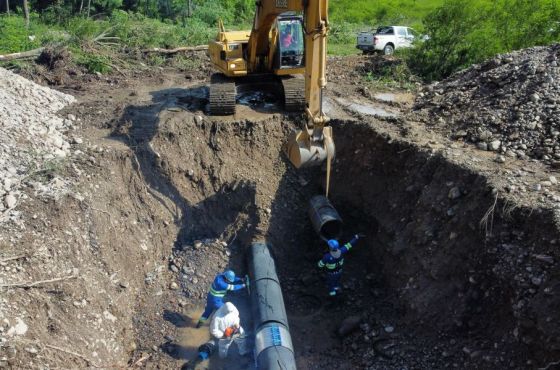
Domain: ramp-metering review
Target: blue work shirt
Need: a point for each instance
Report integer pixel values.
(334, 260)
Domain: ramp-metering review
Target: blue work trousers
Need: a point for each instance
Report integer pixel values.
(333, 281)
(212, 304)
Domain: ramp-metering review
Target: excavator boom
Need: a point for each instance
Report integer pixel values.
(313, 144)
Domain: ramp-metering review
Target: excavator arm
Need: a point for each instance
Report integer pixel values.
(313, 144)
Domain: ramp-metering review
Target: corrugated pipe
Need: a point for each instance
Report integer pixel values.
(324, 217)
(273, 343)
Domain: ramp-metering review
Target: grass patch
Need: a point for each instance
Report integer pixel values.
(14, 37)
(382, 12)
(342, 49)
(48, 171)
(185, 63)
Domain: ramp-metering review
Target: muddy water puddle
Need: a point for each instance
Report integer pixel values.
(385, 97)
(190, 338)
(258, 100)
(367, 109)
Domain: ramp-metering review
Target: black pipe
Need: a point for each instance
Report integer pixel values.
(273, 343)
(324, 217)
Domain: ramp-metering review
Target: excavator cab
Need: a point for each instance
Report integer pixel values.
(290, 45)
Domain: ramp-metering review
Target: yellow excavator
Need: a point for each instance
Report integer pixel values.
(288, 39)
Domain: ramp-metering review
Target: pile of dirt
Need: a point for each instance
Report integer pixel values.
(33, 138)
(509, 105)
(54, 58)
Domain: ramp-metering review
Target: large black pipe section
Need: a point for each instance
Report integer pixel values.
(324, 217)
(273, 343)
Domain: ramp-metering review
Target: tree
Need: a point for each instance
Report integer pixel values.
(26, 12)
(8, 6)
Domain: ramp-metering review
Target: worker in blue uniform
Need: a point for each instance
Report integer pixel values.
(223, 283)
(333, 262)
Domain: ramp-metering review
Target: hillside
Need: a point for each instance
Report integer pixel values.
(372, 12)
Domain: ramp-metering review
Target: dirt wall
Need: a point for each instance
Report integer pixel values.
(465, 259)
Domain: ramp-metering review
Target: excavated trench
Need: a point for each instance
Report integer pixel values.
(454, 271)
(451, 274)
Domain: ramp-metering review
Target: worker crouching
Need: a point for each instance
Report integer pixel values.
(333, 262)
(225, 329)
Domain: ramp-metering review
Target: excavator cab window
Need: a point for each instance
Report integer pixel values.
(290, 45)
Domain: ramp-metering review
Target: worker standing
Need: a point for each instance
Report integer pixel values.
(225, 329)
(333, 262)
(223, 283)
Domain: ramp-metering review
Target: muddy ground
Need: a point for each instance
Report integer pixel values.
(455, 271)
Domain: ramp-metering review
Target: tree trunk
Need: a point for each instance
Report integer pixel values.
(22, 55)
(189, 9)
(88, 7)
(26, 12)
(8, 6)
(81, 6)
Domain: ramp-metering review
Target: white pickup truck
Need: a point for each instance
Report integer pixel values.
(386, 39)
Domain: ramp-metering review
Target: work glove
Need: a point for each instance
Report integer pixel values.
(230, 331)
(359, 235)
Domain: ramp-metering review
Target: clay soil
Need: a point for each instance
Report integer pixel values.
(455, 272)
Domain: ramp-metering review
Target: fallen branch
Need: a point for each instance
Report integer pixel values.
(101, 210)
(103, 35)
(89, 362)
(142, 359)
(21, 55)
(176, 50)
(489, 216)
(114, 67)
(549, 365)
(12, 258)
(35, 283)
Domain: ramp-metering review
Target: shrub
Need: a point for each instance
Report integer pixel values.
(15, 37)
(463, 32)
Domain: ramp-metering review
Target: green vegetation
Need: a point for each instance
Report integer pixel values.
(374, 13)
(461, 32)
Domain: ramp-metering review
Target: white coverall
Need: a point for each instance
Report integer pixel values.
(225, 317)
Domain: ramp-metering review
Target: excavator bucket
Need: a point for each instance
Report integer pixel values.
(304, 151)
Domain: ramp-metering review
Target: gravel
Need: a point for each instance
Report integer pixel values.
(31, 134)
(509, 104)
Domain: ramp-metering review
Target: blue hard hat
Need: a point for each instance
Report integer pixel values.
(333, 244)
(230, 275)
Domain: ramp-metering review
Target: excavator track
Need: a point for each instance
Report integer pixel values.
(222, 96)
(294, 94)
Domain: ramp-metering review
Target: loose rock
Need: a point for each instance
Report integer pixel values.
(349, 325)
